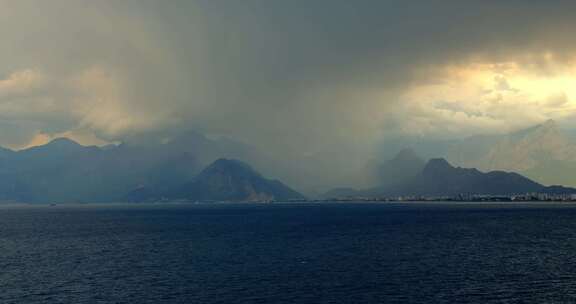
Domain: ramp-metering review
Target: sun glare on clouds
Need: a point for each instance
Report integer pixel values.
(492, 97)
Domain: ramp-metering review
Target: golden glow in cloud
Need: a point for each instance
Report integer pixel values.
(490, 97)
(82, 136)
(80, 106)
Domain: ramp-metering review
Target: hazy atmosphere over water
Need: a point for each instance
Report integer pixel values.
(296, 79)
(287, 151)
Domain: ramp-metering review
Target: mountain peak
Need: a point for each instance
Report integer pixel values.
(56, 145)
(228, 167)
(407, 154)
(550, 123)
(549, 127)
(233, 180)
(437, 166)
(230, 164)
(63, 141)
(404, 166)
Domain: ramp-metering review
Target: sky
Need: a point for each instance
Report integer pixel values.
(323, 78)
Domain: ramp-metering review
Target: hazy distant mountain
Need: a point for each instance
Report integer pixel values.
(403, 167)
(65, 171)
(59, 170)
(522, 150)
(408, 174)
(439, 178)
(544, 153)
(223, 180)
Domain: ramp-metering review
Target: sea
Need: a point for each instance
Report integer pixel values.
(289, 253)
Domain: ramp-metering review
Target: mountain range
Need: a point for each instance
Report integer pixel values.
(438, 178)
(544, 152)
(65, 171)
(191, 166)
(223, 180)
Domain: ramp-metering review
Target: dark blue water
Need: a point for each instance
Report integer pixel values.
(334, 253)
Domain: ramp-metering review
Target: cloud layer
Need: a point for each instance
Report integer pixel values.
(322, 79)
